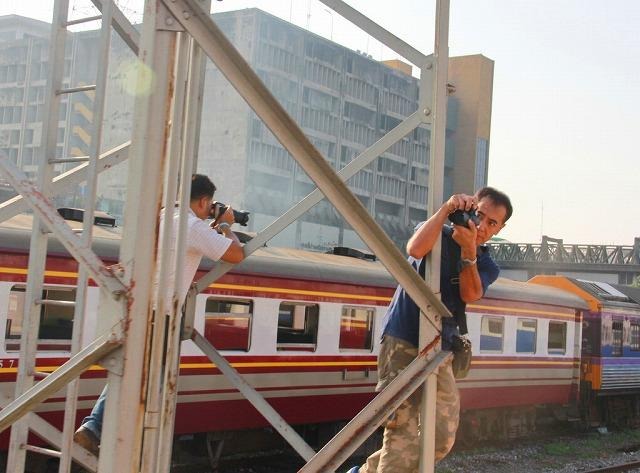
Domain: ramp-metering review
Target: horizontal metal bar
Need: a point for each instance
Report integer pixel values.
(253, 397)
(62, 182)
(79, 159)
(72, 368)
(342, 446)
(73, 90)
(83, 20)
(376, 31)
(43, 451)
(53, 436)
(55, 303)
(40, 374)
(52, 219)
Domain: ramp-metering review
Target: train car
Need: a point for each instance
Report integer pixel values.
(304, 329)
(610, 367)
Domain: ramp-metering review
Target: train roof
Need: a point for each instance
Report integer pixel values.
(596, 294)
(291, 263)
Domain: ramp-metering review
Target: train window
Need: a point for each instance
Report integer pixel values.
(557, 338)
(356, 328)
(635, 337)
(227, 323)
(491, 334)
(616, 332)
(56, 321)
(298, 326)
(526, 336)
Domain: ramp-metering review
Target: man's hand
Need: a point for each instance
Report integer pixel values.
(226, 217)
(466, 239)
(461, 202)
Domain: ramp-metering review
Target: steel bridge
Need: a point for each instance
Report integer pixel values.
(553, 256)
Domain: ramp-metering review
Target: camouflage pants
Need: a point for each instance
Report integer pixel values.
(401, 442)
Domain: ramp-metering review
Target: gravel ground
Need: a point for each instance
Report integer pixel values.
(562, 454)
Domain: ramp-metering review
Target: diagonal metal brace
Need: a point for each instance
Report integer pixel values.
(72, 368)
(263, 407)
(53, 436)
(62, 182)
(52, 219)
(340, 447)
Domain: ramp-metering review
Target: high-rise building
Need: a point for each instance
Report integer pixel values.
(343, 99)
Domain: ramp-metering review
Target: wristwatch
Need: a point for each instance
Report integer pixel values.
(222, 226)
(464, 262)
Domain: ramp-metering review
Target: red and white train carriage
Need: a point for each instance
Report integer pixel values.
(303, 329)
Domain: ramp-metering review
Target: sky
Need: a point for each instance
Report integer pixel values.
(566, 97)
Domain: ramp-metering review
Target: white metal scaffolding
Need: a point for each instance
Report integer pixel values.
(140, 351)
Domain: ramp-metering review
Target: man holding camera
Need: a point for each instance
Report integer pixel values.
(467, 270)
(215, 241)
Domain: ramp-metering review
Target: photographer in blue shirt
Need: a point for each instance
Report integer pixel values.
(467, 270)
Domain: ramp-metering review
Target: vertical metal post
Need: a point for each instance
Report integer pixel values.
(165, 263)
(128, 382)
(190, 133)
(87, 228)
(436, 177)
(38, 247)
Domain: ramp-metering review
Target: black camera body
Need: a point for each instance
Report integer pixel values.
(462, 217)
(240, 216)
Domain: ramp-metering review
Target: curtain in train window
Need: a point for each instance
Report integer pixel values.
(635, 337)
(356, 328)
(526, 336)
(491, 334)
(557, 343)
(56, 321)
(227, 323)
(298, 326)
(616, 332)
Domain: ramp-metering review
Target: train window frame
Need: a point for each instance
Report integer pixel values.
(369, 321)
(226, 315)
(491, 319)
(291, 338)
(617, 338)
(557, 351)
(535, 335)
(47, 314)
(634, 331)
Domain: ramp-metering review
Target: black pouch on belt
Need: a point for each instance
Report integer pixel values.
(461, 348)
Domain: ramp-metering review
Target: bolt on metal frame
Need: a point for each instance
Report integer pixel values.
(150, 142)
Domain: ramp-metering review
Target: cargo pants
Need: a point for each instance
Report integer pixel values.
(400, 450)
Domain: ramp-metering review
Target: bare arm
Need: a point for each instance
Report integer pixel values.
(470, 283)
(222, 225)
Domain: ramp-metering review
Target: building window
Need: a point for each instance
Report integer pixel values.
(56, 321)
(557, 343)
(356, 328)
(526, 336)
(491, 334)
(298, 326)
(616, 332)
(635, 336)
(227, 323)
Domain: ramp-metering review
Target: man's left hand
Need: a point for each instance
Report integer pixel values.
(466, 238)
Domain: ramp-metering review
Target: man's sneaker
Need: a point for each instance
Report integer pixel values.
(87, 439)
(355, 469)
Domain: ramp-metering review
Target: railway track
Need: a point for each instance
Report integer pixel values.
(631, 466)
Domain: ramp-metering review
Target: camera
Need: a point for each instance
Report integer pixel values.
(240, 216)
(461, 217)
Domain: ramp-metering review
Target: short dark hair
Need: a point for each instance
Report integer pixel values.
(201, 186)
(498, 198)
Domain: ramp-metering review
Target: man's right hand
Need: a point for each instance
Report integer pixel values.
(226, 217)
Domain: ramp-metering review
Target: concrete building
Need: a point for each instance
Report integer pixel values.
(343, 99)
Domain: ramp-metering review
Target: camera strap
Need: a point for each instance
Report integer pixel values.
(453, 259)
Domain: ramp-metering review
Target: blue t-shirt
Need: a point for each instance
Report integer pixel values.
(402, 319)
